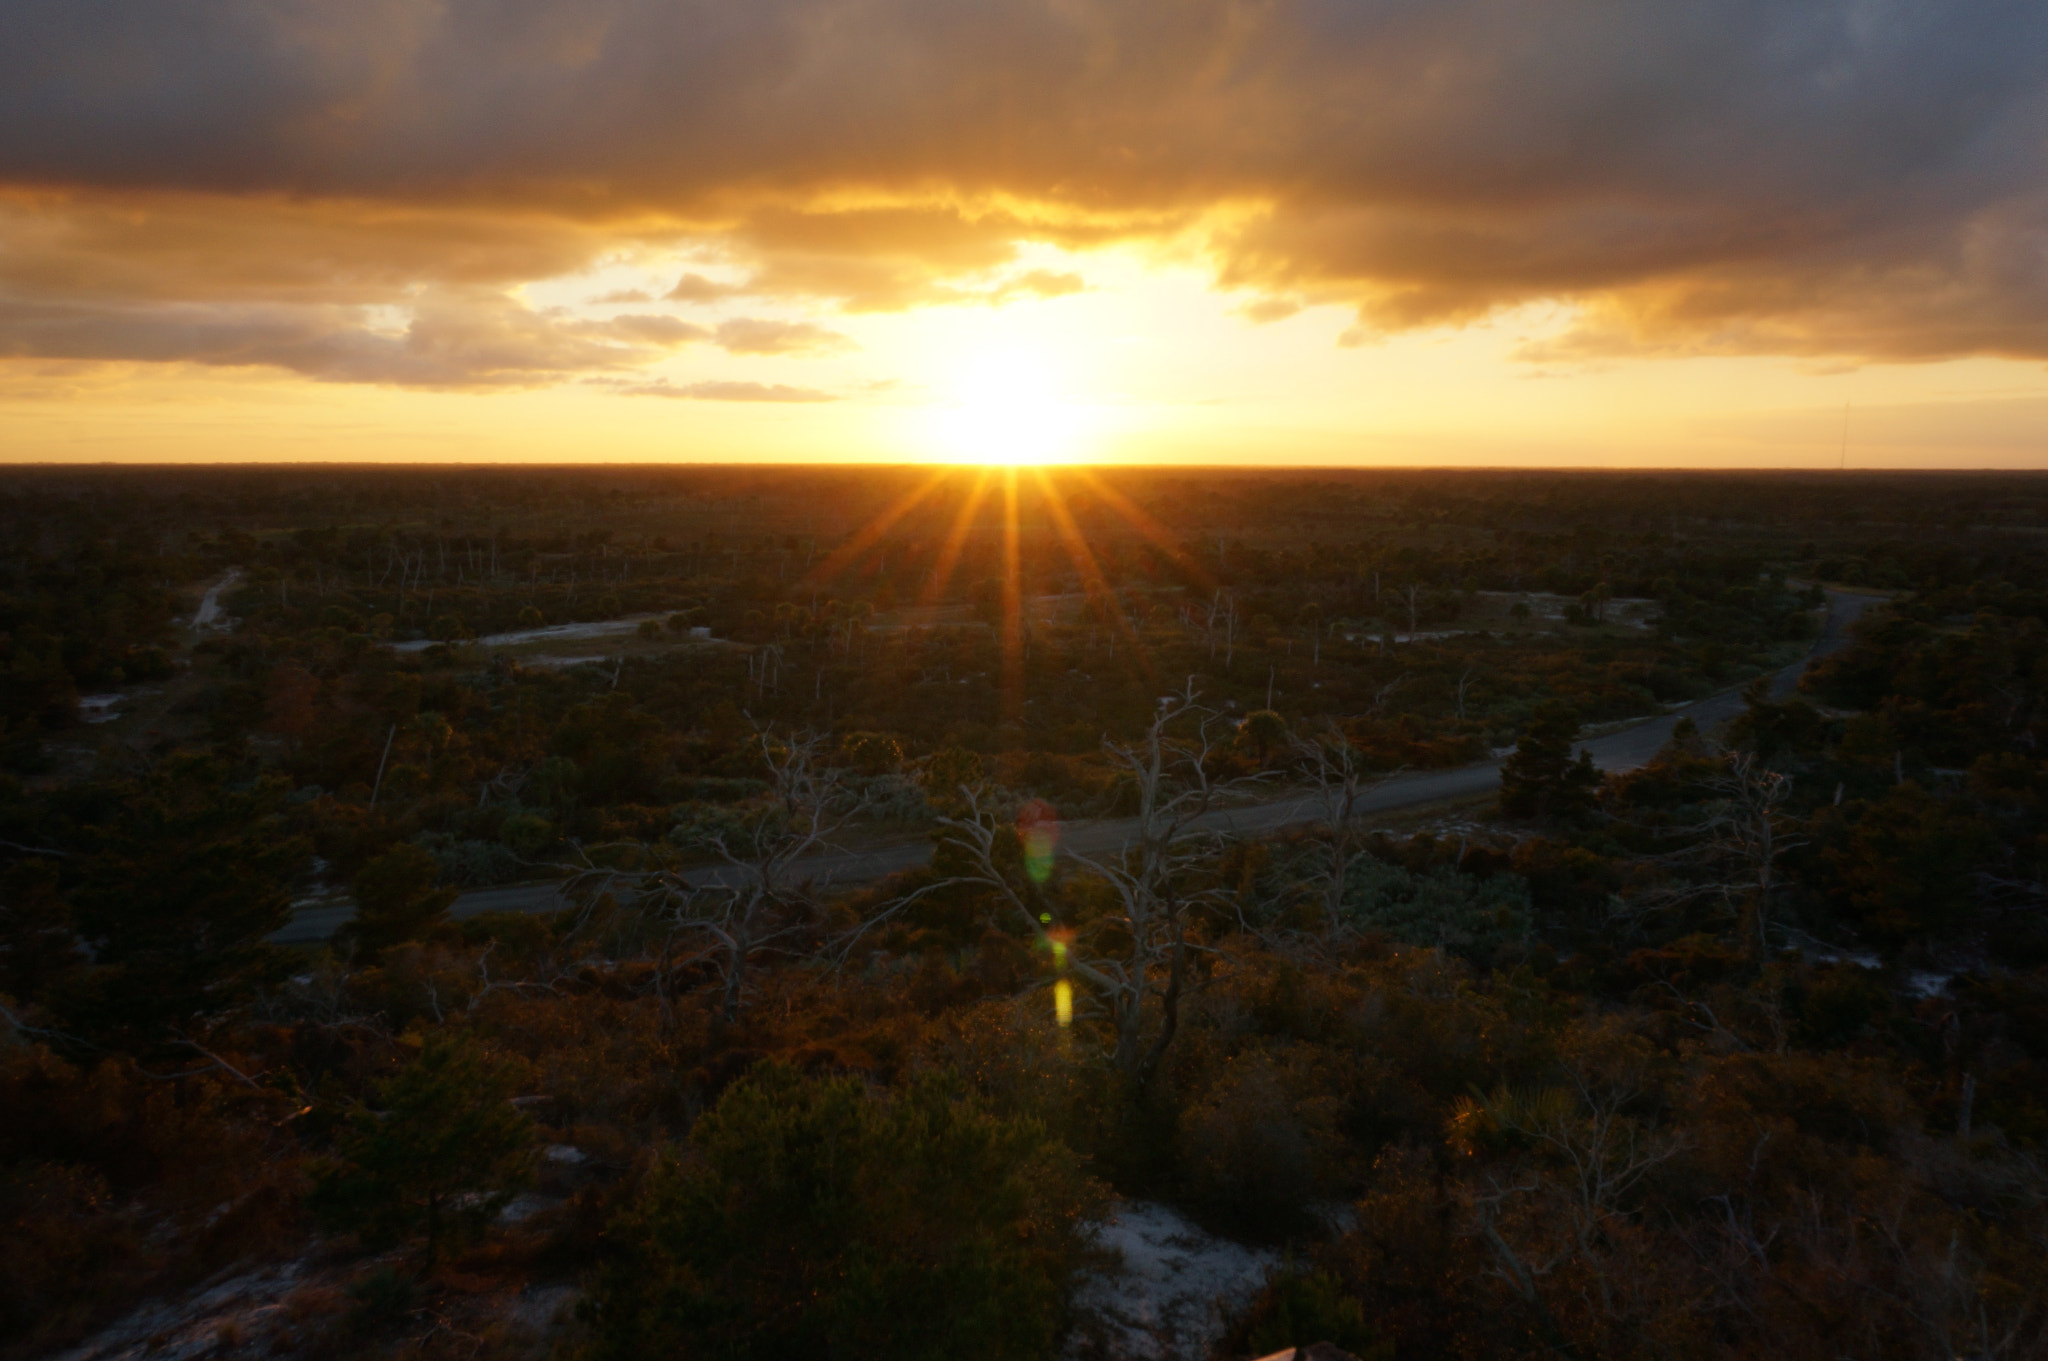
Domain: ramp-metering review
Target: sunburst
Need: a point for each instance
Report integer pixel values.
(1054, 486)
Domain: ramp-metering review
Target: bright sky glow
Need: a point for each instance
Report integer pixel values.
(1570, 234)
(1008, 408)
(1149, 364)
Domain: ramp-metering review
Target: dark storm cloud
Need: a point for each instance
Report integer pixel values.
(1855, 177)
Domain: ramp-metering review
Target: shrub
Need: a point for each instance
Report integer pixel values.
(1467, 914)
(528, 834)
(818, 1218)
(1262, 1145)
(396, 899)
(470, 863)
(438, 1161)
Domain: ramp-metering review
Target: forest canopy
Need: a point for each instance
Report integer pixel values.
(788, 910)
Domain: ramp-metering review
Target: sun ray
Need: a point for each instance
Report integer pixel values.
(1092, 579)
(956, 539)
(1149, 527)
(1013, 606)
(866, 536)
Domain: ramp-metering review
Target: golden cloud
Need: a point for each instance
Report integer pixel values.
(234, 183)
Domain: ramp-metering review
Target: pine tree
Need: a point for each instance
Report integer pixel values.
(1541, 778)
(438, 1155)
(396, 900)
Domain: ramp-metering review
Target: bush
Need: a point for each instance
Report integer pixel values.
(61, 1241)
(818, 1218)
(438, 1161)
(1301, 1308)
(1263, 1144)
(528, 834)
(396, 899)
(469, 863)
(1467, 914)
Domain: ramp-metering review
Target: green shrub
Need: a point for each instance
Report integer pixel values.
(437, 1161)
(1467, 914)
(528, 834)
(1300, 1309)
(396, 899)
(814, 1218)
(1263, 1144)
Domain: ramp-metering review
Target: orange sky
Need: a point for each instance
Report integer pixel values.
(1261, 231)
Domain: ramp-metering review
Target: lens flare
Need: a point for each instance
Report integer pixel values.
(1063, 1002)
(1038, 827)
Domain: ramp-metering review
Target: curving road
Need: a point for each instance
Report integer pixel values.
(1620, 751)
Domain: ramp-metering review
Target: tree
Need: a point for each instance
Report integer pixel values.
(754, 905)
(1342, 778)
(819, 1219)
(1310, 617)
(436, 1157)
(1264, 731)
(38, 941)
(1541, 778)
(1737, 831)
(1748, 830)
(187, 872)
(1787, 731)
(396, 900)
(1595, 602)
(1155, 879)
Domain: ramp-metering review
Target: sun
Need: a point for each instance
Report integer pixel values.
(1009, 408)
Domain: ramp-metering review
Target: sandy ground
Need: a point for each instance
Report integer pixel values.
(1171, 1292)
(553, 633)
(209, 615)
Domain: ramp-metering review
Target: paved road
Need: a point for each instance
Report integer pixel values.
(1620, 751)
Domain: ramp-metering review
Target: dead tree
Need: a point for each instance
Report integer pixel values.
(1749, 829)
(757, 903)
(1587, 1153)
(1732, 853)
(1342, 780)
(1156, 877)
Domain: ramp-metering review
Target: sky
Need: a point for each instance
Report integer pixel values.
(1673, 233)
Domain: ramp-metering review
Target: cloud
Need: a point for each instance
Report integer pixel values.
(747, 335)
(697, 288)
(653, 330)
(1038, 283)
(726, 392)
(183, 246)
(1261, 311)
(1854, 178)
(453, 340)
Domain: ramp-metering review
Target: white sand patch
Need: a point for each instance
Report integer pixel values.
(209, 615)
(245, 1307)
(552, 633)
(1171, 1295)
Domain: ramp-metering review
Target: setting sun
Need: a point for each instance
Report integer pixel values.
(1006, 409)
